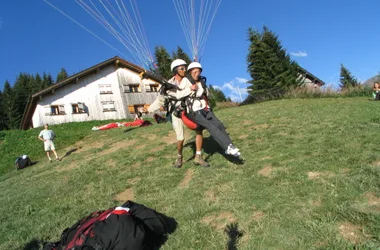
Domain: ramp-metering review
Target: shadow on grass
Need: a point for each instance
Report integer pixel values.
(210, 147)
(69, 152)
(233, 234)
(129, 129)
(33, 245)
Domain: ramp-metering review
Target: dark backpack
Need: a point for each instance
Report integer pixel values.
(23, 162)
(81, 234)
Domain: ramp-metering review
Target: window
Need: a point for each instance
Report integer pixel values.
(78, 108)
(152, 87)
(55, 110)
(134, 108)
(108, 106)
(132, 88)
(105, 88)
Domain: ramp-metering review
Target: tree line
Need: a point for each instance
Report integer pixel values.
(14, 98)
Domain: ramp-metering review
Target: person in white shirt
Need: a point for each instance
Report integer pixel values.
(47, 136)
(200, 112)
(185, 88)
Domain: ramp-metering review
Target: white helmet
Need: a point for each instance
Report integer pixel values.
(194, 65)
(176, 63)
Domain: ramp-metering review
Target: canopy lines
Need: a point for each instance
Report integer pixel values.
(196, 33)
(121, 21)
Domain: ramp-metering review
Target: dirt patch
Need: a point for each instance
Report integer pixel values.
(136, 165)
(71, 166)
(352, 233)
(316, 203)
(210, 196)
(376, 164)
(261, 126)
(156, 149)
(141, 146)
(373, 200)
(317, 175)
(134, 181)
(188, 177)
(149, 159)
(219, 221)
(243, 136)
(266, 171)
(117, 146)
(170, 138)
(266, 158)
(128, 194)
(345, 170)
(111, 163)
(257, 215)
(246, 122)
(151, 137)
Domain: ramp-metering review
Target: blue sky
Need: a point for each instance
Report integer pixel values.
(320, 35)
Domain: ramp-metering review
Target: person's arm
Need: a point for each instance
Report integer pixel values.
(156, 105)
(40, 137)
(185, 89)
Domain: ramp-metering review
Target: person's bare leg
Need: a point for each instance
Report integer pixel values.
(48, 155)
(178, 162)
(55, 153)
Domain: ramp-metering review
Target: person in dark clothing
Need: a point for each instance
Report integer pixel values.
(131, 226)
(201, 113)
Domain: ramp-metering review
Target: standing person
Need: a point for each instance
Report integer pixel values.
(376, 91)
(200, 111)
(185, 88)
(47, 136)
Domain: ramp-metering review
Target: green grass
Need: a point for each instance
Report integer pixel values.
(310, 179)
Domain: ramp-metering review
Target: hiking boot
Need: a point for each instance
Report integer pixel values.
(198, 160)
(178, 162)
(58, 159)
(50, 160)
(232, 150)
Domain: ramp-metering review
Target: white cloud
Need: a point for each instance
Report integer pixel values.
(241, 80)
(235, 89)
(299, 54)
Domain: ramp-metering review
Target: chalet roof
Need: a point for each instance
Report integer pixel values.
(32, 102)
(310, 76)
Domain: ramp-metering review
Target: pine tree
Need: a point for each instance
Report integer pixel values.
(163, 62)
(3, 124)
(8, 105)
(47, 81)
(347, 80)
(268, 63)
(62, 75)
(180, 54)
(216, 95)
(22, 90)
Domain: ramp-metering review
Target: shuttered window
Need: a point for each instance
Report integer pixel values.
(108, 106)
(78, 108)
(55, 110)
(105, 88)
(132, 88)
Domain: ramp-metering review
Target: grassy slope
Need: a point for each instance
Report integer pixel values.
(310, 180)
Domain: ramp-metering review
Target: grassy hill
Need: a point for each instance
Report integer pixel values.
(310, 179)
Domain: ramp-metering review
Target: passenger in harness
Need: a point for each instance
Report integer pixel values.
(200, 112)
(174, 100)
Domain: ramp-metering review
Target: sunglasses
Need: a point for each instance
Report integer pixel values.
(182, 68)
